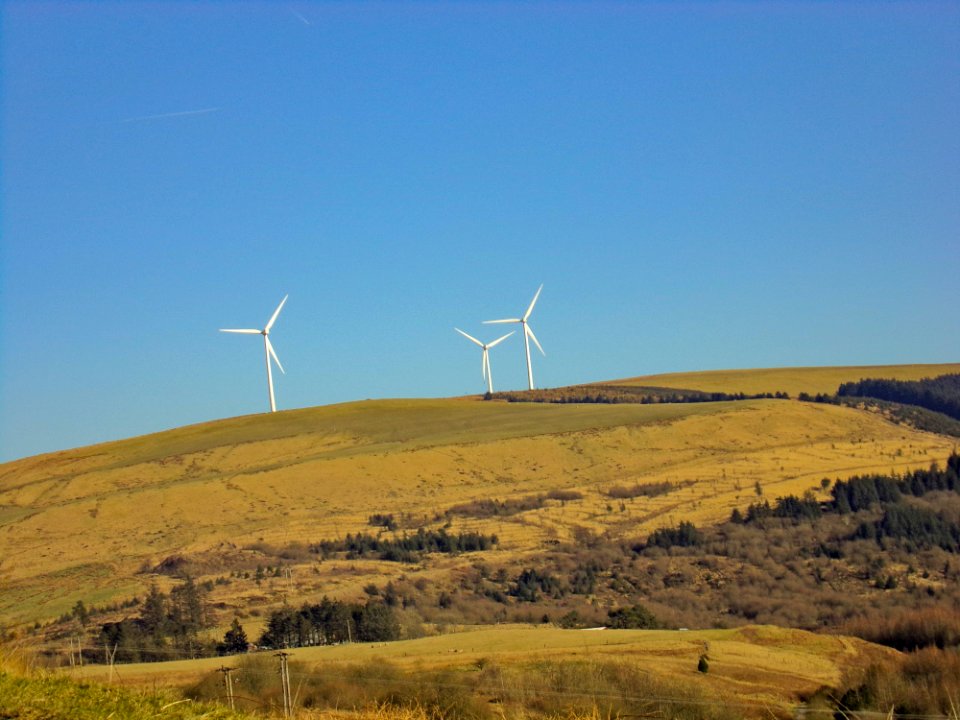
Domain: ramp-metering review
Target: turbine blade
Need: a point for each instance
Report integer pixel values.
(273, 354)
(469, 337)
(483, 365)
(533, 302)
(508, 320)
(245, 332)
(501, 339)
(276, 312)
(534, 338)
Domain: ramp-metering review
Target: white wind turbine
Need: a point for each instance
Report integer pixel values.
(267, 349)
(487, 375)
(527, 334)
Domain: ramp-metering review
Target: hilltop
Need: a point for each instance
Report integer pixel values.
(793, 381)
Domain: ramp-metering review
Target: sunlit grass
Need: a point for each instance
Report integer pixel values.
(793, 381)
(300, 476)
(754, 664)
(27, 692)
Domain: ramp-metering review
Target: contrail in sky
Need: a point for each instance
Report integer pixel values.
(161, 116)
(301, 17)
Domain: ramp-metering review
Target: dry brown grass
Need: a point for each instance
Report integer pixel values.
(760, 665)
(80, 524)
(793, 381)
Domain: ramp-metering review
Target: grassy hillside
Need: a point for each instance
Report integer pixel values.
(570, 490)
(87, 524)
(754, 669)
(793, 381)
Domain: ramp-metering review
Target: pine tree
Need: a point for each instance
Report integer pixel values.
(81, 613)
(154, 614)
(186, 608)
(234, 641)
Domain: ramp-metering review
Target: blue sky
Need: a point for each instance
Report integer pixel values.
(697, 185)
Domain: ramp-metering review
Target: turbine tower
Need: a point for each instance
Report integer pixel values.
(267, 349)
(487, 375)
(527, 334)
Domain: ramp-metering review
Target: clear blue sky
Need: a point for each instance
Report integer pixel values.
(697, 185)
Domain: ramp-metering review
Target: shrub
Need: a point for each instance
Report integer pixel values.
(619, 492)
(921, 683)
(909, 629)
(571, 620)
(633, 617)
(382, 520)
(530, 583)
(564, 495)
(497, 508)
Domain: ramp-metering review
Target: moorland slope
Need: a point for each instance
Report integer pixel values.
(96, 523)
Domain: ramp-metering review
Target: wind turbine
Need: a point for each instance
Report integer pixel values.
(487, 375)
(267, 349)
(527, 334)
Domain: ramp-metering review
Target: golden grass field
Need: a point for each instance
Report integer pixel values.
(79, 524)
(765, 665)
(793, 381)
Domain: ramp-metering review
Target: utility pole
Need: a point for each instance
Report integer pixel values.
(228, 682)
(110, 655)
(285, 683)
(76, 660)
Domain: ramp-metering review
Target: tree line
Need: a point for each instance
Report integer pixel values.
(406, 548)
(919, 527)
(330, 622)
(616, 394)
(168, 625)
(940, 394)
